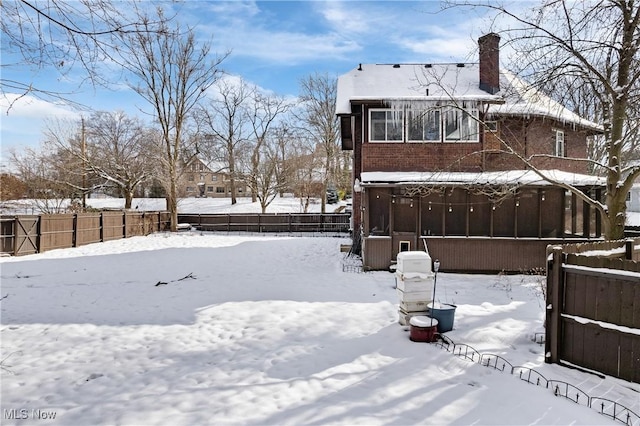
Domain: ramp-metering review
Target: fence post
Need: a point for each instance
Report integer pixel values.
(74, 235)
(15, 235)
(101, 224)
(124, 224)
(554, 304)
(39, 235)
(628, 248)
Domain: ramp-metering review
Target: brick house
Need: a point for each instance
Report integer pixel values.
(432, 167)
(200, 179)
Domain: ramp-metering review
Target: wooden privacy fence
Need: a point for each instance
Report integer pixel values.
(593, 307)
(269, 222)
(23, 235)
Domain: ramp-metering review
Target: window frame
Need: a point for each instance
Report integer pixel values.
(466, 120)
(463, 117)
(389, 118)
(560, 144)
(430, 111)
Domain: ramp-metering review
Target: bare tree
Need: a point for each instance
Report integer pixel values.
(302, 166)
(44, 173)
(263, 114)
(264, 179)
(11, 187)
(117, 151)
(65, 145)
(64, 36)
(223, 122)
(318, 96)
(172, 72)
(284, 148)
(594, 45)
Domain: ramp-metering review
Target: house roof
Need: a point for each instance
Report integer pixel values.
(522, 99)
(448, 82)
(426, 82)
(521, 177)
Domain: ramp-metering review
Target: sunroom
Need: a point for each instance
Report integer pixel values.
(483, 222)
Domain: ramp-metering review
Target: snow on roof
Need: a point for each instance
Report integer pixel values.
(522, 99)
(448, 82)
(522, 177)
(410, 82)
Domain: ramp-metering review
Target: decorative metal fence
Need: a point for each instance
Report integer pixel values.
(559, 388)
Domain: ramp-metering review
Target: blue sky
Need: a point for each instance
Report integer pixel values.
(273, 44)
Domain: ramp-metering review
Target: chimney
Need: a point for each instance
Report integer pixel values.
(489, 46)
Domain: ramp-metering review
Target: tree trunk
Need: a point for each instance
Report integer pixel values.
(232, 179)
(615, 220)
(172, 201)
(128, 198)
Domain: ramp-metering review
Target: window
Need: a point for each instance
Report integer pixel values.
(191, 178)
(190, 189)
(425, 122)
(423, 125)
(491, 126)
(214, 178)
(559, 146)
(460, 125)
(219, 190)
(492, 136)
(385, 125)
(201, 178)
(209, 188)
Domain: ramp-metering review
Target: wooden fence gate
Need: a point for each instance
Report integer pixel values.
(593, 307)
(22, 235)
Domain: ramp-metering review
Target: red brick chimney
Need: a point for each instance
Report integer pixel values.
(489, 46)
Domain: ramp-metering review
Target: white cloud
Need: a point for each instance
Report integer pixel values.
(13, 105)
(24, 119)
(441, 49)
(342, 17)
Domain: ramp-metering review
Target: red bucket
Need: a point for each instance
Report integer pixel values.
(423, 329)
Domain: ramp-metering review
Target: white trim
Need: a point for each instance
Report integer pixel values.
(521, 177)
(387, 121)
(560, 146)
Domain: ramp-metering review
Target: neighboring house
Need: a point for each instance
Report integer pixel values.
(633, 198)
(209, 180)
(429, 167)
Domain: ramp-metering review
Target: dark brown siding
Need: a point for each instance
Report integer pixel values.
(592, 307)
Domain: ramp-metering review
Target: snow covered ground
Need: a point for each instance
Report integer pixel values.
(200, 328)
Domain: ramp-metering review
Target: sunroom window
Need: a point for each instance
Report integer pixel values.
(460, 125)
(386, 125)
(424, 122)
(423, 125)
